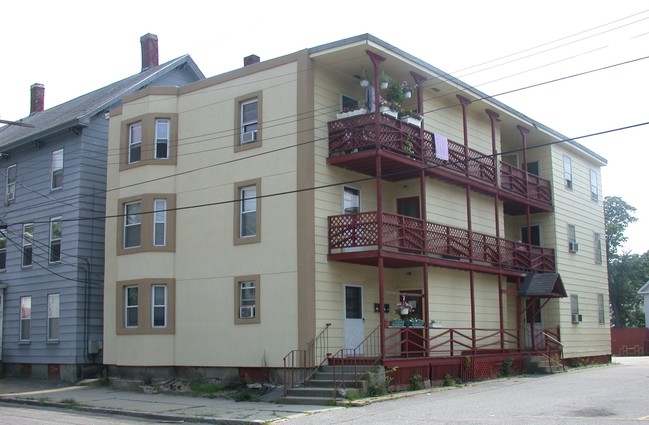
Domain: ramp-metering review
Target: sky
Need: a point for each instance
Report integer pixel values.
(73, 47)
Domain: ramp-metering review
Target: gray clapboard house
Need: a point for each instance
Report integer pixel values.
(52, 208)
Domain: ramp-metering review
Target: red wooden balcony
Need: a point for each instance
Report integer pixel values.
(354, 237)
(406, 149)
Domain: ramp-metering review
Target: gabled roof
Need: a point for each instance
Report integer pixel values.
(79, 111)
(543, 285)
(644, 289)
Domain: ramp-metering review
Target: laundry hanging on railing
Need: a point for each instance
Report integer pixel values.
(441, 147)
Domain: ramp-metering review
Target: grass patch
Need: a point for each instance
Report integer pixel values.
(205, 388)
(245, 395)
(70, 402)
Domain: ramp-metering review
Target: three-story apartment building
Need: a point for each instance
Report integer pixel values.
(298, 206)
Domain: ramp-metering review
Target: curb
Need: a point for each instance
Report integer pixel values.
(135, 414)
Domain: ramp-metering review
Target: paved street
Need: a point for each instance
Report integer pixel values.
(614, 394)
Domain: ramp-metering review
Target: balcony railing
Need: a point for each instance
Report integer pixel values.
(358, 133)
(422, 237)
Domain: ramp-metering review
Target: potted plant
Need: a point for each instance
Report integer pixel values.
(411, 117)
(408, 145)
(364, 80)
(384, 80)
(407, 91)
(403, 307)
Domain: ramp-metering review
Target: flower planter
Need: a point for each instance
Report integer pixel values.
(360, 111)
(413, 121)
(383, 85)
(407, 94)
(405, 311)
(388, 111)
(365, 83)
(397, 323)
(417, 323)
(436, 325)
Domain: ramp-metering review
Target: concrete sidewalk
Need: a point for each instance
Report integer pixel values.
(102, 399)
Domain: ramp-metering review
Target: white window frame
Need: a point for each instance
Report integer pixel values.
(597, 247)
(57, 170)
(53, 316)
(159, 220)
(572, 236)
(25, 315)
(11, 183)
(163, 306)
(128, 307)
(129, 227)
(161, 139)
(248, 303)
(134, 145)
(350, 194)
(248, 208)
(3, 250)
(567, 171)
(601, 316)
(55, 240)
(594, 188)
(28, 245)
(246, 125)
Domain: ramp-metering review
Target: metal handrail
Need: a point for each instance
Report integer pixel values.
(307, 359)
(370, 342)
(548, 355)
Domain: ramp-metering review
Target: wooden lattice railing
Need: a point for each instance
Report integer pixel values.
(359, 132)
(419, 236)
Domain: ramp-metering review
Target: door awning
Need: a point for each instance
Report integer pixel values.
(543, 285)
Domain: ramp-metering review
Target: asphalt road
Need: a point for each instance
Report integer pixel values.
(612, 394)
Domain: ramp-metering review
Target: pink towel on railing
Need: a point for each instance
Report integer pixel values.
(441, 147)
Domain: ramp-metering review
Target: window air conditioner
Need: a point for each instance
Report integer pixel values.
(249, 136)
(573, 246)
(247, 312)
(576, 318)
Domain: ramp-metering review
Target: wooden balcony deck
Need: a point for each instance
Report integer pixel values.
(405, 149)
(355, 238)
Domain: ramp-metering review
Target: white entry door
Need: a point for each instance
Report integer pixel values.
(533, 314)
(354, 327)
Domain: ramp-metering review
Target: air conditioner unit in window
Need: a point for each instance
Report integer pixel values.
(249, 136)
(576, 318)
(573, 246)
(247, 312)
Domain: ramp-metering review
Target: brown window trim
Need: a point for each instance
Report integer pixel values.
(238, 147)
(237, 300)
(144, 307)
(238, 240)
(146, 237)
(148, 141)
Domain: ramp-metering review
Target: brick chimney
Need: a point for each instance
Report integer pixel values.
(149, 43)
(37, 103)
(250, 60)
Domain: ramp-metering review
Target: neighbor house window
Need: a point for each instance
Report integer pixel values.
(25, 318)
(3, 250)
(247, 299)
(53, 317)
(132, 224)
(597, 245)
(159, 306)
(145, 306)
(161, 138)
(600, 309)
(567, 171)
(248, 121)
(159, 222)
(594, 190)
(55, 240)
(134, 142)
(57, 169)
(11, 183)
(131, 306)
(572, 238)
(248, 212)
(28, 241)
(574, 308)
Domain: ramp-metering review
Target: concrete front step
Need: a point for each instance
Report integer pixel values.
(316, 401)
(541, 365)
